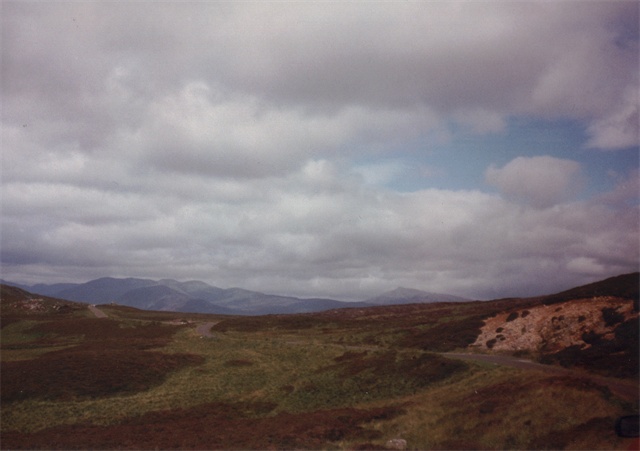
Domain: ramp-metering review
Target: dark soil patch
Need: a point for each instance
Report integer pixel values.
(212, 426)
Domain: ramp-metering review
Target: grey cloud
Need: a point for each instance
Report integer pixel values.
(525, 58)
(209, 140)
(540, 181)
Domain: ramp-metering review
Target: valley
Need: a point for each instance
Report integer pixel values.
(414, 376)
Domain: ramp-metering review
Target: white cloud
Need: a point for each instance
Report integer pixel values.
(541, 181)
(99, 66)
(202, 130)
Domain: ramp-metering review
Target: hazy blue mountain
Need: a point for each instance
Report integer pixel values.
(191, 296)
(195, 289)
(104, 290)
(51, 290)
(202, 306)
(411, 296)
(199, 297)
(155, 297)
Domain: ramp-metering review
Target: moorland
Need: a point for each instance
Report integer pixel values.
(415, 376)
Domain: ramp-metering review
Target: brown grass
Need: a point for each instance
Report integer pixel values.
(102, 358)
(213, 426)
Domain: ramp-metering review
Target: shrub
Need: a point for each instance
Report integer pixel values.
(457, 333)
(512, 316)
(591, 337)
(611, 316)
(617, 357)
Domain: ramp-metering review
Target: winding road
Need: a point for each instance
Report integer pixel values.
(626, 389)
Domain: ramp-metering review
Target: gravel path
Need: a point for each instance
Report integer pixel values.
(627, 389)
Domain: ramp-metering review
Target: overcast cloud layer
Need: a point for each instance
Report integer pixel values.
(483, 149)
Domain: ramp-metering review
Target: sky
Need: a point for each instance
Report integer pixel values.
(321, 149)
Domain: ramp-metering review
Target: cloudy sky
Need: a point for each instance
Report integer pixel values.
(337, 149)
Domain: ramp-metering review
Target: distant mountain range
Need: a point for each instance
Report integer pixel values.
(199, 297)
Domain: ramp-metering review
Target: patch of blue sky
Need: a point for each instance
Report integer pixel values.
(460, 162)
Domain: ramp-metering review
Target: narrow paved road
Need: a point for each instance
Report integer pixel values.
(96, 311)
(625, 388)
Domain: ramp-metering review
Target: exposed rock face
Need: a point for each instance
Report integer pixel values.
(552, 328)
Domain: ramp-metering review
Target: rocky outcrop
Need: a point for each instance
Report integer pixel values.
(548, 329)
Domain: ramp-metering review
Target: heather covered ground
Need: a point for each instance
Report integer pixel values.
(341, 379)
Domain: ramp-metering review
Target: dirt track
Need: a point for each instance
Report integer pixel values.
(205, 329)
(96, 311)
(626, 389)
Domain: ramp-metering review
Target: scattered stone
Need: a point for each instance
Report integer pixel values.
(396, 443)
